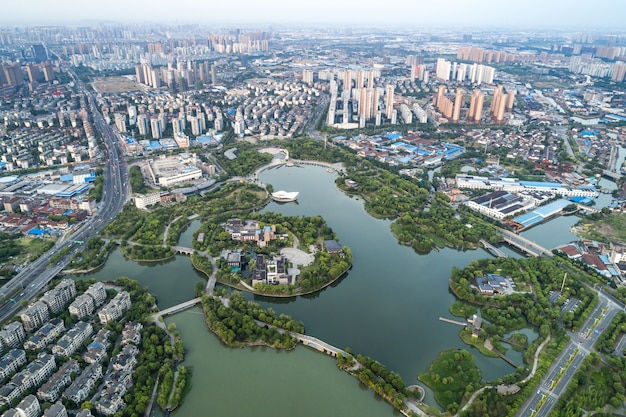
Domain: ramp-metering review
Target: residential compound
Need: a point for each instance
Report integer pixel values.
(50, 375)
(53, 302)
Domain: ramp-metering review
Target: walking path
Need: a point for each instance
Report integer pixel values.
(152, 398)
(167, 229)
(523, 381)
(535, 361)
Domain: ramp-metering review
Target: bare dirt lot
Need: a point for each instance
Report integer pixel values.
(114, 85)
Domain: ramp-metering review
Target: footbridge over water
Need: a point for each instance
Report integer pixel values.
(183, 250)
(523, 244)
(179, 307)
(318, 344)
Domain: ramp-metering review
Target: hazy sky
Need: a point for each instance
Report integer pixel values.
(576, 14)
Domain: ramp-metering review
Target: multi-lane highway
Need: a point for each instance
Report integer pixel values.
(562, 370)
(32, 279)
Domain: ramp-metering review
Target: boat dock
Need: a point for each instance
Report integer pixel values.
(459, 323)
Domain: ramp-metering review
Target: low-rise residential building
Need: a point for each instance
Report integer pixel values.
(11, 362)
(116, 383)
(13, 334)
(98, 292)
(110, 403)
(80, 388)
(35, 372)
(83, 306)
(58, 297)
(126, 359)
(97, 349)
(51, 390)
(28, 407)
(9, 393)
(71, 341)
(115, 308)
(132, 333)
(55, 410)
(84, 413)
(45, 335)
(35, 315)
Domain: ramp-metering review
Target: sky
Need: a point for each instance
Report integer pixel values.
(568, 14)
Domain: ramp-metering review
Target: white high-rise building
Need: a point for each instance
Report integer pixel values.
(443, 69)
(307, 76)
(143, 124)
(120, 122)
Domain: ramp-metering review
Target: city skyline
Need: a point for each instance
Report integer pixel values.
(557, 14)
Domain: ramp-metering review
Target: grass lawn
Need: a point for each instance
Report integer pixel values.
(466, 337)
(611, 228)
(461, 309)
(32, 248)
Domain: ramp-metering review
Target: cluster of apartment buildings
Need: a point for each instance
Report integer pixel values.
(53, 342)
(272, 108)
(15, 75)
(55, 300)
(43, 146)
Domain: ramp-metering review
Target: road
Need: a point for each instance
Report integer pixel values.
(39, 273)
(562, 370)
(317, 113)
